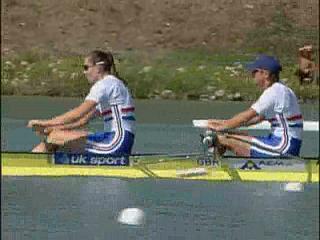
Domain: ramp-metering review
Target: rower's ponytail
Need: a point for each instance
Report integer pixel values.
(115, 73)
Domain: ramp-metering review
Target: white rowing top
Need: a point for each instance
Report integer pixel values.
(279, 105)
(115, 104)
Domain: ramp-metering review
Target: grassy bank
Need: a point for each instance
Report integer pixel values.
(179, 74)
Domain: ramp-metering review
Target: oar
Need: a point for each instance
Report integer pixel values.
(160, 154)
(170, 156)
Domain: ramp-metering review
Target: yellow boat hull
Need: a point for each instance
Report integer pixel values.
(27, 164)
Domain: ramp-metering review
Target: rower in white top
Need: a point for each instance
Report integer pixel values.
(277, 104)
(108, 98)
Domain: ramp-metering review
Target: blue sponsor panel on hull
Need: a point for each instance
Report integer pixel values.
(90, 159)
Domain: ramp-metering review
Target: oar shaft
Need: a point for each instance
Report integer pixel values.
(165, 154)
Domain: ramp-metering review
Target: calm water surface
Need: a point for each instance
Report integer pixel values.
(86, 208)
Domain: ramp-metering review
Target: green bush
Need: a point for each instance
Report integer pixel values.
(186, 73)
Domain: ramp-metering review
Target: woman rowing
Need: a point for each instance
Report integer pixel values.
(277, 104)
(108, 98)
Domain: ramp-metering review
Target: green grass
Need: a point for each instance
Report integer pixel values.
(35, 73)
(187, 73)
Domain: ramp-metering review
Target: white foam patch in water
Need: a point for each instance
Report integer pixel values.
(293, 187)
(131, 216)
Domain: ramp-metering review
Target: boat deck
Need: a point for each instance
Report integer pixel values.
(286, 170)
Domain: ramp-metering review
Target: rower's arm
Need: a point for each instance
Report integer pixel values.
(241, 119)
(75, 114)
(255, 120)
(76, 124)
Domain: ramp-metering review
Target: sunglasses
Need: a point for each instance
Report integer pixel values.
(86, 67)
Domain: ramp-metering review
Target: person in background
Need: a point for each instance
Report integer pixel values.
(307, 68)
(278, 104)
(108, 98)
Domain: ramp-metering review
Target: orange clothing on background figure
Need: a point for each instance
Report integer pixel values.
(307, 66)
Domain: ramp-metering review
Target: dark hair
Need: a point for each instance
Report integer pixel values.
(106, 60)
(274, 77)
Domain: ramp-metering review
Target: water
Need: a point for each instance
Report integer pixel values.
(87, 207)
(161, 125)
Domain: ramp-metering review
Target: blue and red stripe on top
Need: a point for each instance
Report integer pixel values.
(295, 121)
(291, 118)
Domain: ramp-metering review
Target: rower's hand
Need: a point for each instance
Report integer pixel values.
(36, 122)
(40, 127)
(216, 124)
(48, 130)
(44, 123)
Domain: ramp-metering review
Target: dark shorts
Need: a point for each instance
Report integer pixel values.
(272, 146)
(110, 143)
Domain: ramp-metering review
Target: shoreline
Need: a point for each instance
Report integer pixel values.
(175, 74)
(307, 101)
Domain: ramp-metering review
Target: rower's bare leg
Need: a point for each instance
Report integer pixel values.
(70, 141)
(240, 148)
(40, 148)
(44, 148)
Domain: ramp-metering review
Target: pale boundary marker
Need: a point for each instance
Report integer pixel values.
(310, 126)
